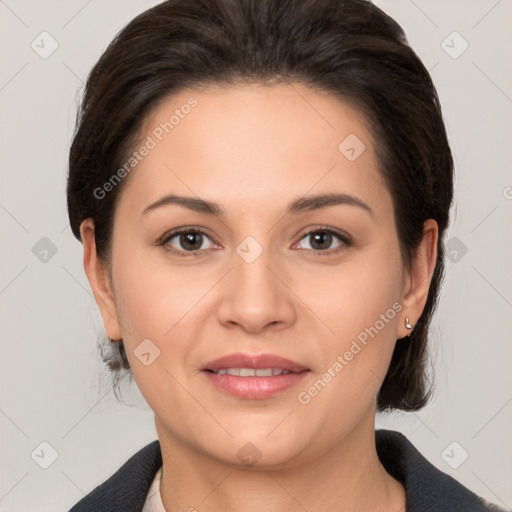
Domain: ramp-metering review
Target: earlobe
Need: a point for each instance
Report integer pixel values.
(419, 279)
(99, 280)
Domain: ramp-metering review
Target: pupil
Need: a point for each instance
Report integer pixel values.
(188, 239)
(320, 237)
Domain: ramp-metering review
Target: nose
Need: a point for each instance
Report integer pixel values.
(254, 296)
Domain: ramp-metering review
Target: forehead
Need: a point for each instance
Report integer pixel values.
(254, 142)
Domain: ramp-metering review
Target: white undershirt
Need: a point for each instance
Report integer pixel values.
(153, 501)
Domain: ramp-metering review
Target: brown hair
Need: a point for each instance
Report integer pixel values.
(349, 48)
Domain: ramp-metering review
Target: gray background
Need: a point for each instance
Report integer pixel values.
(53, 386)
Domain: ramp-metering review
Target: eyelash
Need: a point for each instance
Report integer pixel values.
(169, 236)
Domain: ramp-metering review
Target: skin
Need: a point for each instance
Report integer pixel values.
(253, 150)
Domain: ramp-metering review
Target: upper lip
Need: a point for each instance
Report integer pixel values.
(256, 361)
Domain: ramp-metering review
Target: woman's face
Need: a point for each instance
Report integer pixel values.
(268, 275)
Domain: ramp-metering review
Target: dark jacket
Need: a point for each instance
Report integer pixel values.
(427, 488)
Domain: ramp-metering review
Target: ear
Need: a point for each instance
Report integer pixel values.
(99, 280)
(419, 278)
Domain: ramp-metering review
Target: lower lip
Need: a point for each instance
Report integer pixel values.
(255, 387)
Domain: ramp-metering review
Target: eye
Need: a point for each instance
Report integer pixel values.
(321, 239)
(190, 242)
(185, 241)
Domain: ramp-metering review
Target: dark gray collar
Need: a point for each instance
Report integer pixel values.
(427, 488)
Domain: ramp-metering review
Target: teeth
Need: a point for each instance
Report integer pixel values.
(251, 372)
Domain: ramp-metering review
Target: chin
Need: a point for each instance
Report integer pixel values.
(253, 450)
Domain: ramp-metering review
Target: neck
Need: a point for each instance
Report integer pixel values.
(349, 477)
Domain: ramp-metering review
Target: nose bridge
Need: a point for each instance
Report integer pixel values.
(252, 275)
(253, 296)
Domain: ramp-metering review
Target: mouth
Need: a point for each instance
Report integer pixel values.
(245, 363)
(254, 376)
(252, 372)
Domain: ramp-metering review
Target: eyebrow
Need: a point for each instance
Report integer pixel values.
(303, 204)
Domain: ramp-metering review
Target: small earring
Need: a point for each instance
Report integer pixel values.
(408, 325)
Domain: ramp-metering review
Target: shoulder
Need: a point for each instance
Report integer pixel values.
(127, 488)
(427, 488)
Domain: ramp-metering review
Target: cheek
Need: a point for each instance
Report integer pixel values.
(359, 307)
(159, 303)
(154, 296)
(352, 296)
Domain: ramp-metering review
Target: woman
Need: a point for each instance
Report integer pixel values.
(262, 190)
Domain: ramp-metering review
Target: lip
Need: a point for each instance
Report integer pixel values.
(255, 388)
(256, 361)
